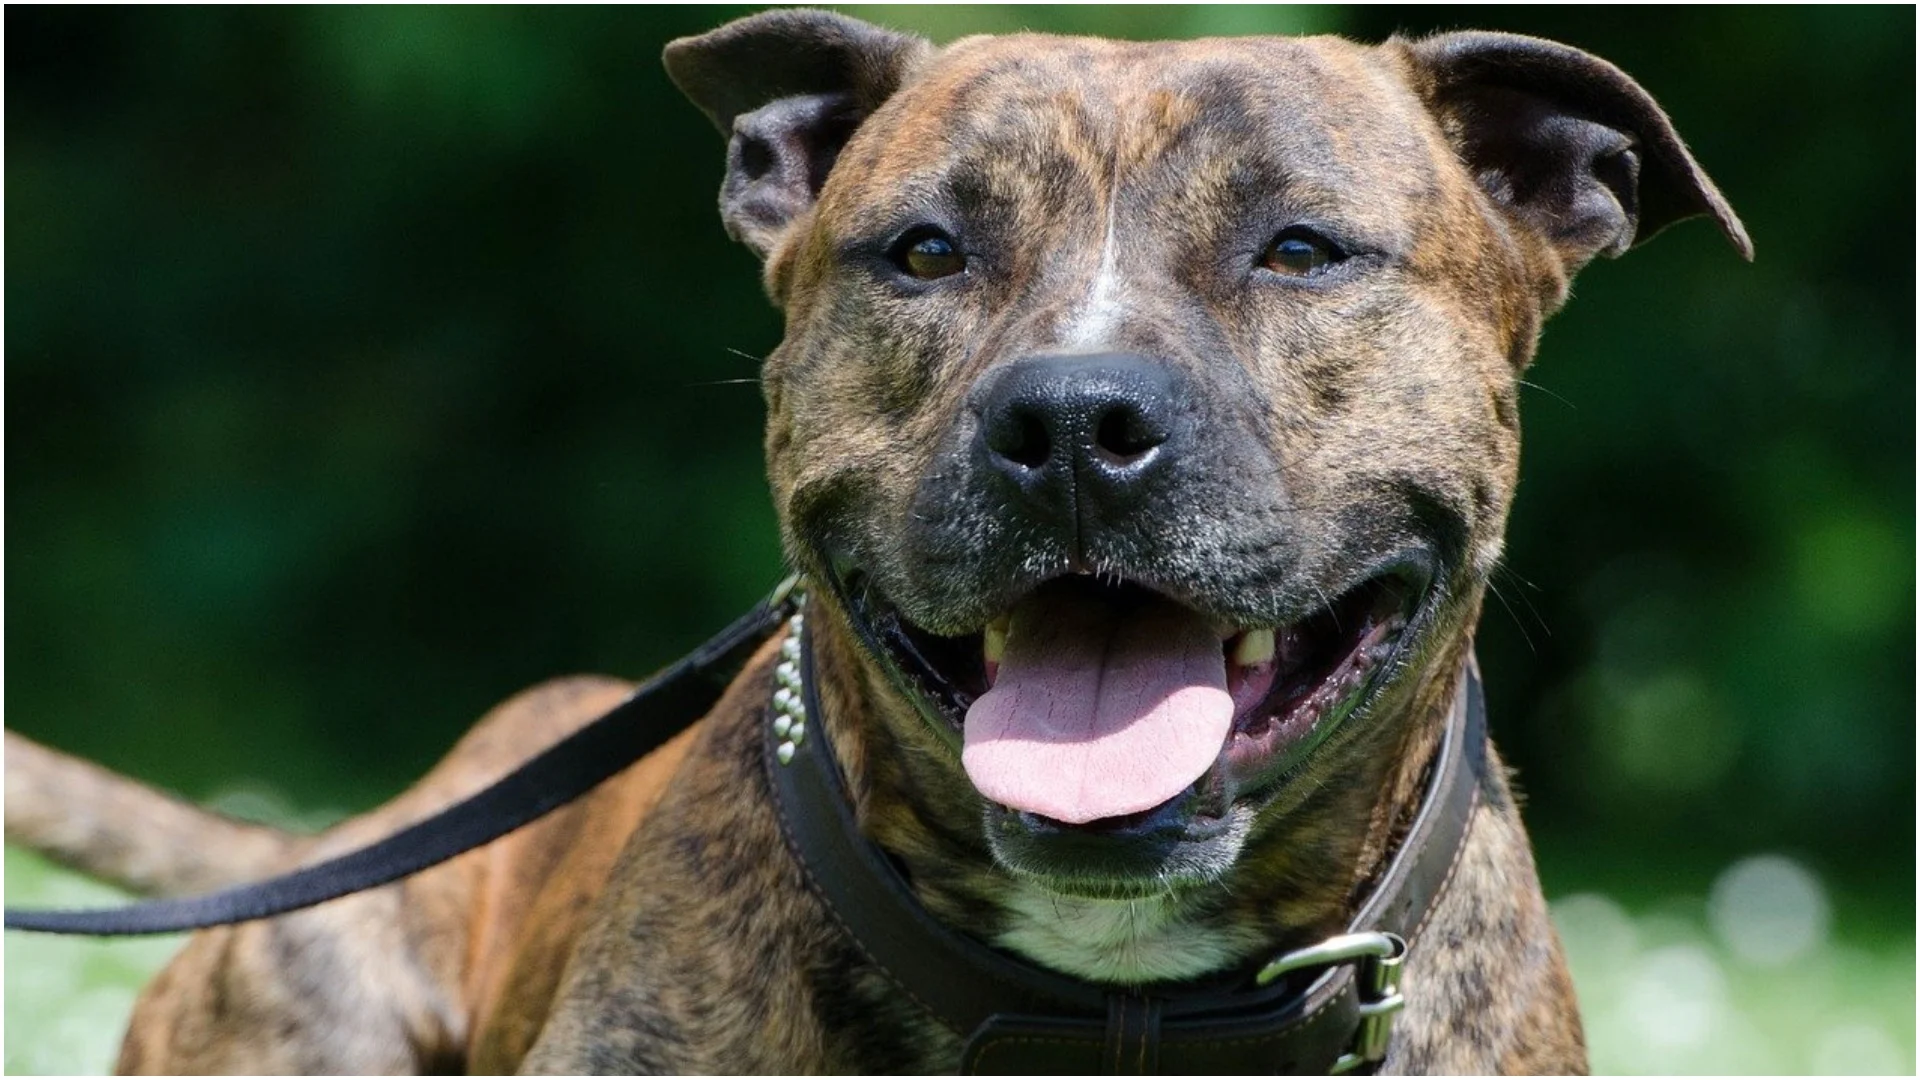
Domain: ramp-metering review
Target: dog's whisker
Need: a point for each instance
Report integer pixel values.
(1514, 615)
(1501, 570)
(1549, 393)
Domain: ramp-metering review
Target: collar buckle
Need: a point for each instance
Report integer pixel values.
(1378, 958)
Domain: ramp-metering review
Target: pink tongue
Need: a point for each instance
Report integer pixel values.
(1099, 711)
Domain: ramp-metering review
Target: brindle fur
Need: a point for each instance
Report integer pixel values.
(1115, 197)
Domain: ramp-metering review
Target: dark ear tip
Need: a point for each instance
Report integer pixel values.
(690, 64)
(674, 57)
(1706, 200)
(681, 58)
(1736, 233)
(740, 66)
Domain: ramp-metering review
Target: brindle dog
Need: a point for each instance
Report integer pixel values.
(1114, 372)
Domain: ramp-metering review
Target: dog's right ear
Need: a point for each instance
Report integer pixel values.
(787, 89)
(1569, 146)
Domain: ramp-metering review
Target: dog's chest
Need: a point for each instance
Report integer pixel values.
(1122, 941)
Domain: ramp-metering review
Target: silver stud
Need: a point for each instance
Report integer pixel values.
(789, 700)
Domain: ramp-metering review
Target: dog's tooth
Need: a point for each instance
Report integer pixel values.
(1254, 649)
(994, 640)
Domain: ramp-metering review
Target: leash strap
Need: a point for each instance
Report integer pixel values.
(1325, 1008)
(659, 709)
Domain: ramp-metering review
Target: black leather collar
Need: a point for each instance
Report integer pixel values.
(1327, 1008)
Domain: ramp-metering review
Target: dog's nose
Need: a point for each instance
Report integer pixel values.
(1072, 430)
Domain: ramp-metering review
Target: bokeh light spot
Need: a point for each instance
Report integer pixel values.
(1768, 910)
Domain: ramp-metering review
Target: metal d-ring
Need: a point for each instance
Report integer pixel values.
(1378, 957)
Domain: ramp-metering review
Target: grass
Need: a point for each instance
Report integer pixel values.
(68, 999)
(1683, 984)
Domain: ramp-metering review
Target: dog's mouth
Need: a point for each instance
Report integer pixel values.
(1087, 703)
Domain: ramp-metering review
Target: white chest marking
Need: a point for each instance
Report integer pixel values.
(1125, 941)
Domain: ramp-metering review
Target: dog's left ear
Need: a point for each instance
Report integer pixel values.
(787, 88)
(1565, 142)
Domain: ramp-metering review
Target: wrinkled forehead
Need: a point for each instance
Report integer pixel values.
(1319, 117)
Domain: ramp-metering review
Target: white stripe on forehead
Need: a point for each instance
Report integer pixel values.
(1092, 327)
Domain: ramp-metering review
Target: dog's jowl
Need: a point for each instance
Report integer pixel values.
(1143, 436)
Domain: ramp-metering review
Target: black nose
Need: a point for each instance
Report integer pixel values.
(1074, 433)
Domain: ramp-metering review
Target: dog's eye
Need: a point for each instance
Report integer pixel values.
(1300, 252)
(927, 253)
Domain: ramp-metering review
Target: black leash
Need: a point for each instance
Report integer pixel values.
(659, 709)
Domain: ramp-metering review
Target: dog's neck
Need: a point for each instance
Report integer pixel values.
(1296, 883)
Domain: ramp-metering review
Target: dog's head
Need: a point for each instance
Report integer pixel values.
(1147, 411)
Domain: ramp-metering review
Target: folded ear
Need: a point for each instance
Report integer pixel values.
(787, 88)
(1570, 146)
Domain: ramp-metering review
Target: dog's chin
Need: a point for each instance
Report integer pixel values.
(1291, 686)
(1181, 844)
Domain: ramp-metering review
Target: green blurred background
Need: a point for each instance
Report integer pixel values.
(364, 365)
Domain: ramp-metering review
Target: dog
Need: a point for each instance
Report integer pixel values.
(1143, 434)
